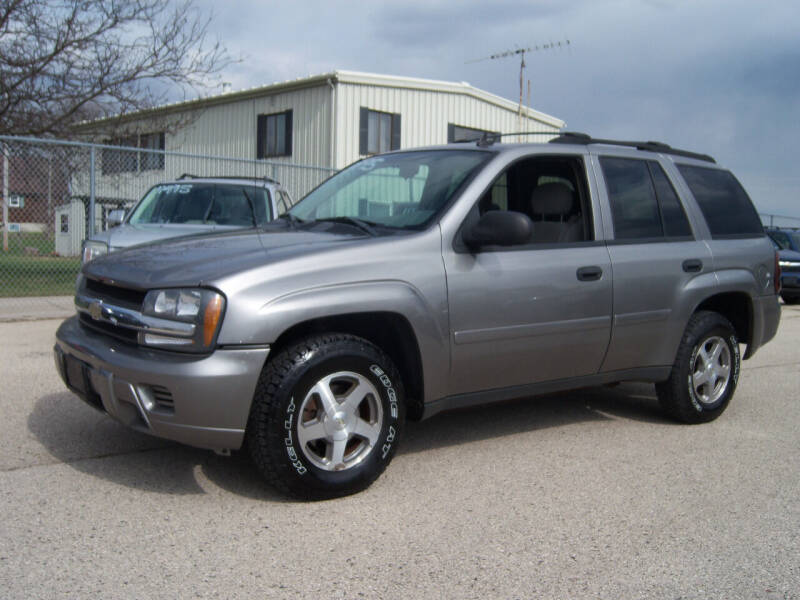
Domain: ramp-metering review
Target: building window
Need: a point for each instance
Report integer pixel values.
(131, 161)
(459, 133)
(274, 135)
(378, 132)
(149, 161)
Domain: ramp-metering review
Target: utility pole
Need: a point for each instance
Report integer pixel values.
(521, 53)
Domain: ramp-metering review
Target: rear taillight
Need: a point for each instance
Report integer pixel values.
(777, 273)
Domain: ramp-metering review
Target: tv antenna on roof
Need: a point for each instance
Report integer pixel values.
(521, 53)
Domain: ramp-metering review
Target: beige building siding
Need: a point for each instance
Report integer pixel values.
(230, 129)
(225, 126)
(439, 109)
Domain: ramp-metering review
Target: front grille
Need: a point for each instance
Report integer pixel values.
(121, 333)
(791, 269)
(112, 294)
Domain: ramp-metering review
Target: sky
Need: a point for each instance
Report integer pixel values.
(720, 77)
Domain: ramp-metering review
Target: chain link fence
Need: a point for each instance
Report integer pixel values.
(57, 193)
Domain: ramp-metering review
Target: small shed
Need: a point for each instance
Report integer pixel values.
(70, 228)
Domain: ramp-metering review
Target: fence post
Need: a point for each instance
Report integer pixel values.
(90, 229)
(4, 150)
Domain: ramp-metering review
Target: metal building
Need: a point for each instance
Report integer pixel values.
(327, 120)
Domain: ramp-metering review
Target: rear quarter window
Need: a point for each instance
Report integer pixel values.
(723, 201)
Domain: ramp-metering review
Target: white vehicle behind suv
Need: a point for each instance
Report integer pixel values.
(191, 205)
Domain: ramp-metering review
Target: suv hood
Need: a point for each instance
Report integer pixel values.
(129, 235)
(197, 260)
(789, 255)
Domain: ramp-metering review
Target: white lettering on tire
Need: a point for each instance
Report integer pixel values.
(287, 425)
(393, 409)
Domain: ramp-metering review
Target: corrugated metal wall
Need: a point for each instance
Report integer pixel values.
(230, 129)
(425, 116)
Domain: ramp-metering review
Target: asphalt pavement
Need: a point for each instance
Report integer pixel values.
(587, 494)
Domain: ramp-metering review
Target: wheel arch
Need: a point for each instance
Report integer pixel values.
(390, 331)
(737, 307)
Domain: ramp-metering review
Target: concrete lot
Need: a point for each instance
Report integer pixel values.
(591, 494)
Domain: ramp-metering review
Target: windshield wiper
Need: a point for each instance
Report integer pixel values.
(365, 226)
(293, 220)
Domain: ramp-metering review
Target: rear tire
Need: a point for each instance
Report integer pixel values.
(326, 417)
(706, 370)
(790, 299)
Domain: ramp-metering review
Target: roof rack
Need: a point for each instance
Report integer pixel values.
(575, 137)
(490, 137)
(263, 178)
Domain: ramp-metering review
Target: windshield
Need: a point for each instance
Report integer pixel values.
(403, 190)
(203, 204)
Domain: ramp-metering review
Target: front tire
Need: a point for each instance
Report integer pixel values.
(326, 416)
(706, 370)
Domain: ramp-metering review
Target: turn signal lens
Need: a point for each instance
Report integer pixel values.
(211, 318)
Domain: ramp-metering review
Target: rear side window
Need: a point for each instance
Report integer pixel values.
(643, 203)
(725, 205)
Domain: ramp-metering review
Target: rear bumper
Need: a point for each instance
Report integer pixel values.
(766, 318)
(201, 401)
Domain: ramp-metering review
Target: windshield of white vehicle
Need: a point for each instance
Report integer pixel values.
(403, 190)
(203, 204)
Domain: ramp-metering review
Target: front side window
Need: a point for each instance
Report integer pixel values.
(379, 132)
(274, 135)
(723, 201)
(404, 190)
(552, 191)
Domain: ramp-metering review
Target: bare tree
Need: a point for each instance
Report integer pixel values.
(62, 61)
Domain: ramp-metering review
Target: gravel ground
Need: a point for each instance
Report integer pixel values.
(588, 494)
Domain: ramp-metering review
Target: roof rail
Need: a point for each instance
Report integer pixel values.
(491, 137)
(254, 177)
(575, 137)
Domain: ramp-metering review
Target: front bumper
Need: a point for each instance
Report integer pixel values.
(201, 401)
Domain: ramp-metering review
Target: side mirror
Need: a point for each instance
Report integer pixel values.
(499, 228)
(115, 217)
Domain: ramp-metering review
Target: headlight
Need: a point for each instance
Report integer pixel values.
(92, 250)
(789, 263)
(196, 315)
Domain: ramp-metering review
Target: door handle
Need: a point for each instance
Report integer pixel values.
(693, 265)
(589, 273)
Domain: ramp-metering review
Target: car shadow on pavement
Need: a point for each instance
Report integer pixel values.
(91, 442)
(630, 401)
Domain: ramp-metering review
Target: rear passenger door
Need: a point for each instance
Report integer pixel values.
(655, 256)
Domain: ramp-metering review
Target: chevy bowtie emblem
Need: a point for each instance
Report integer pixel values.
(96, 310)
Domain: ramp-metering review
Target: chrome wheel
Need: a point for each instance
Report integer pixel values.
(340, 421)
(710, 370)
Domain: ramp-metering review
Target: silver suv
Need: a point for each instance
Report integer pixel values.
(427, 280)
(191, 205)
